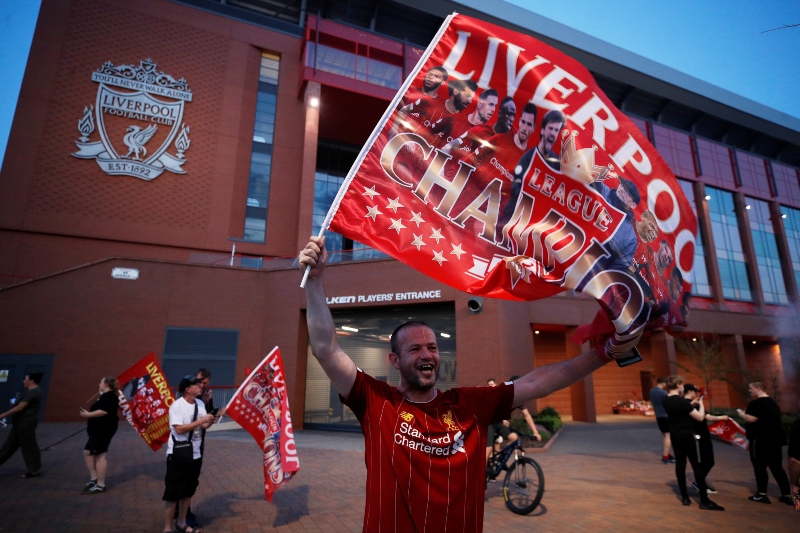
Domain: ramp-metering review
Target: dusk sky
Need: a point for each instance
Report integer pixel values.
(720, 42)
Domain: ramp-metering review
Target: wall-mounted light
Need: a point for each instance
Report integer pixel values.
(754, 342)
(783, 215)
(475, 305)
(694, 339)
(445, 335)
(708, 197)
(348, 328)
(747, 206)
(536, 332)
(313, 101)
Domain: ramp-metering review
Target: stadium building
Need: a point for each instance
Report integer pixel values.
(168, 159)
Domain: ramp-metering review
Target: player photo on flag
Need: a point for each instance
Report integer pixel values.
(501, 169)
(261, 406)
(144, 399)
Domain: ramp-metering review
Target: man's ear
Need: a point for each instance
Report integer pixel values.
(394, 360)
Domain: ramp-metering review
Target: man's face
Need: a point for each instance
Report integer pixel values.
(505, 117)
(625, 197)
(486, 108)
(203, 381)
(418, 360)
(674, 288)
(433, 79)
(753, 391)
(690, 395)
(664, 256)
(462, 99)
(648, 230)
(549, 135)
(526, 125)
(491, 383)
(195, 389)
(27, 381)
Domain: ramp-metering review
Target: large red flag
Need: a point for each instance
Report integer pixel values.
(144, 399)
(517, 178)
(261, 406)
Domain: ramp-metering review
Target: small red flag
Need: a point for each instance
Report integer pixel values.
(261, 406)
(730, 431)
(144, 399)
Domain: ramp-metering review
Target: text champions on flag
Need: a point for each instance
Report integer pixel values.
(501, 169)
(261, 406)
(144, 399)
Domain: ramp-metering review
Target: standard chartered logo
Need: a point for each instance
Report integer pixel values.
(444, 446)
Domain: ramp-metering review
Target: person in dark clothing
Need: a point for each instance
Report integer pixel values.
(767, 439)
(682, 418)
(101, 425)
(703, 435)
(25, 418)
(657, 395)
(794, 461)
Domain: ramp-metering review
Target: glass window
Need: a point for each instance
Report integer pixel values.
(699, 280)
(364, 335)
(728, 245)
(676, 149)
(715, 163)
(791, 221)
(350, 65)
(334, 160)
(255, 223)
(767, 259)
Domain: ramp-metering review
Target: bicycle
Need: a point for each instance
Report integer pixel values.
(523, 486)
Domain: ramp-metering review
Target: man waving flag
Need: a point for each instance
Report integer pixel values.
(571, 196)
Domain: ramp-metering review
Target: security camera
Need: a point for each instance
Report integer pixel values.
(475, 305)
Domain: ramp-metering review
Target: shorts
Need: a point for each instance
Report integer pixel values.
(98, 444)
(495, 430)
(663, 424)
(181, 481)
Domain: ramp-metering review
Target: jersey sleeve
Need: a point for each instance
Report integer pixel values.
(490, 404)
(359, 397)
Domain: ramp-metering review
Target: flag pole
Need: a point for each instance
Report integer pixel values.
(255, 370)
(375, 132)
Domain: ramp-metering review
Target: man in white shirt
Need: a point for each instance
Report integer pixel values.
(182, 479)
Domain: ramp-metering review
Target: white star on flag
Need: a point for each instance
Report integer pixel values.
(372, 212)
(418, 242)
(437, 234)
(416, 219)
(439, 257)
(394, 204)
(457, 251)
(397, 225)
(370, 192)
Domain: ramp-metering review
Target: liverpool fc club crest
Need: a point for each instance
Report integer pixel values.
(138, 115)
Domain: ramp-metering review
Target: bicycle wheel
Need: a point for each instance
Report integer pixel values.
(524, 486)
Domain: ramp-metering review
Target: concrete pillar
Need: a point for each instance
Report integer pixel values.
(662, 349)
(582, 392)
(308, 163)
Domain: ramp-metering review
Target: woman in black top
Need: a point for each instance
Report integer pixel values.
(101, 426)
(682, 417)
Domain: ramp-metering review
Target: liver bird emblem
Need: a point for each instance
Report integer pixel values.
(136, 138)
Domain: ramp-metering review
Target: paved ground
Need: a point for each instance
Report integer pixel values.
(599, 477)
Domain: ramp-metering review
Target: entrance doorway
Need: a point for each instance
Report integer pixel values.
(14, 367)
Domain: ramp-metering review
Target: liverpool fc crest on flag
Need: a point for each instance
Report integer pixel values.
(138, 115)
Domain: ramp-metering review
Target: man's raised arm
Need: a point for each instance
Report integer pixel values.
(545, 380)
(321, 330)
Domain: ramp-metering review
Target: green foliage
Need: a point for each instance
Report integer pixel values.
(549, 418)
(549, 412)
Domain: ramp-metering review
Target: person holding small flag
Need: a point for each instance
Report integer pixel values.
(101, 426)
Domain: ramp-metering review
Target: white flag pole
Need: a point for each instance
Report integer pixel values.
(375, 132)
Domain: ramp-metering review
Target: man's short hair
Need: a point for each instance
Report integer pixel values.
(506, 100)
(460, 85)
(491, 379)
(530, 109)
(487, 93)
(36, 377)
(206, 373)
(758, 385)
(661, 379)
(393, 340)
(674, 382)
(631, 188)
(443, 70)
(552, 116)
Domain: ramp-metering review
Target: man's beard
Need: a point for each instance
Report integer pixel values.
(429, 86)
(414, 382)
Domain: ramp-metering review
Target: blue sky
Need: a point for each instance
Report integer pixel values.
(717, 41)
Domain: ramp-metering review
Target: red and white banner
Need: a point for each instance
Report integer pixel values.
(144, 399)
(261, 406)
(501, 169)
(730, 431)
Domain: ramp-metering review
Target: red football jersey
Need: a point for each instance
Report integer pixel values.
(426, 462)
(452, 126)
